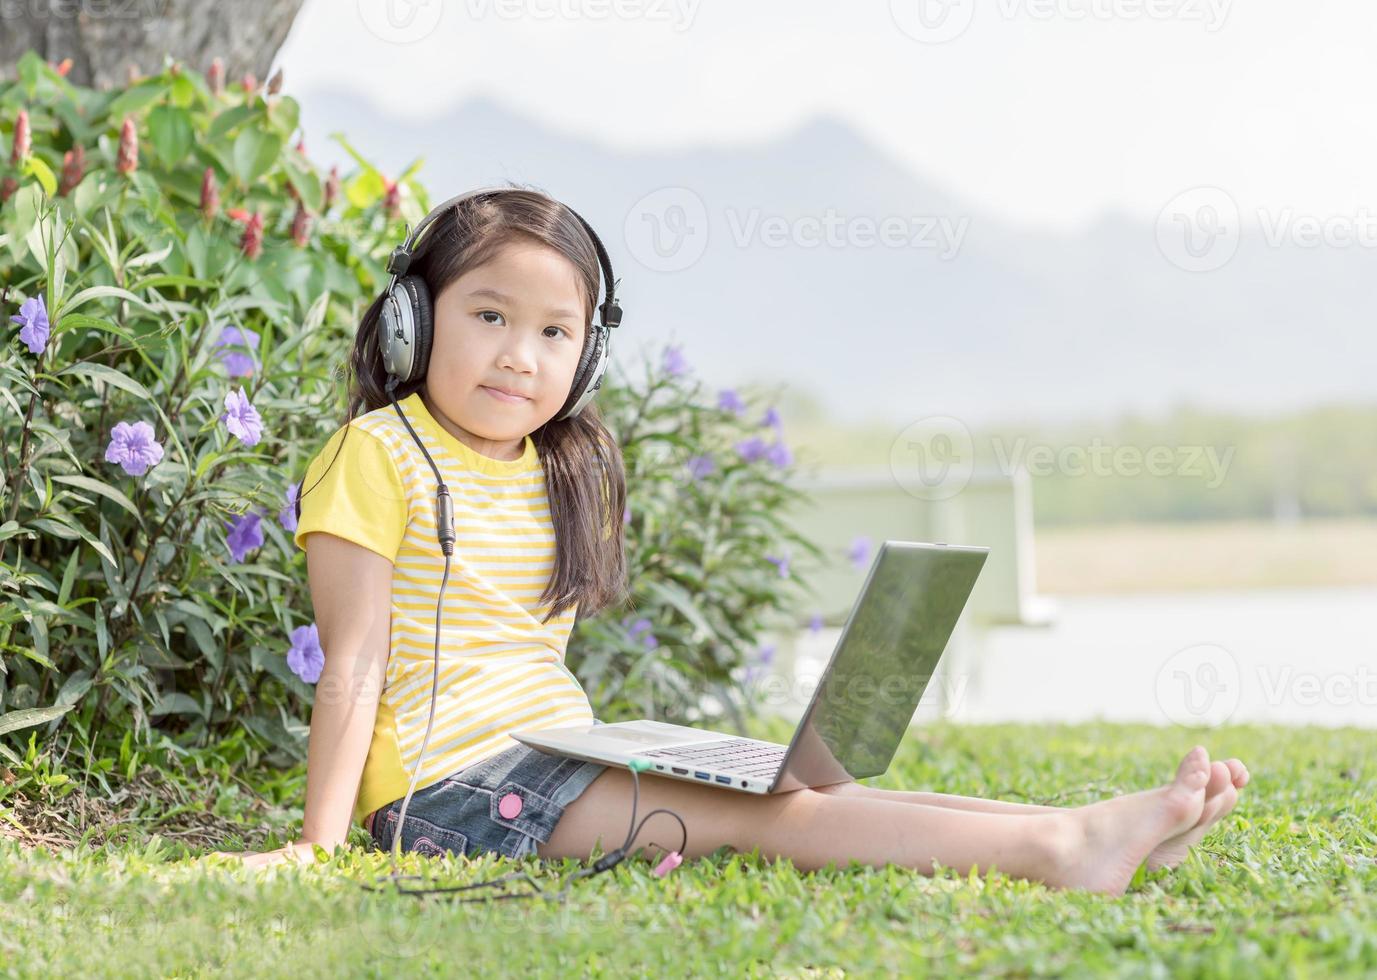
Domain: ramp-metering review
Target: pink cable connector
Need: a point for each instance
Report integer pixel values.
(672, 860)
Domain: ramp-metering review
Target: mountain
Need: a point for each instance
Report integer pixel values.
(976, 318)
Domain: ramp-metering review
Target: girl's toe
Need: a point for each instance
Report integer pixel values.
(1238, 771)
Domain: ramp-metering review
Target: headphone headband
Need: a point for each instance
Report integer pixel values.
(609, 312)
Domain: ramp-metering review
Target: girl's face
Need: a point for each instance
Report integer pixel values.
(515, 322)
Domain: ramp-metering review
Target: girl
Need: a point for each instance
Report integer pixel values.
(514, 277)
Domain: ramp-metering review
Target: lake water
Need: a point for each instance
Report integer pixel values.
(1288, 656)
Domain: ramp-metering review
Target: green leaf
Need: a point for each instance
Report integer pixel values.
(68, 577)
(108, 375)
(228, 120)
(12, 721)
(307, 184)
(254, 153)
(134, 99)
(34, 166)
(96, 486)
(169, 129)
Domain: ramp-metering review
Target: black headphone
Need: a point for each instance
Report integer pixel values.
(406, 324)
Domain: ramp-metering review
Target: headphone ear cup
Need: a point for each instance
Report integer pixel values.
(583, 376)
(417, 293)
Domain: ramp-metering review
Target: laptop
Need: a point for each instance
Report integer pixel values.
(860, 710)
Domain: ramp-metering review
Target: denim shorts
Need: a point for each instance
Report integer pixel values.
(506, 804)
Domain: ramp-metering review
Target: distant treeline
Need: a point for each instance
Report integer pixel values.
(1191, 464)
(1198, 465)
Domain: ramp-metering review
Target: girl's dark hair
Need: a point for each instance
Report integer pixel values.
(578, 454)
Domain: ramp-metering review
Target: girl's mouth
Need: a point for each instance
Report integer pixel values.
(502, 396)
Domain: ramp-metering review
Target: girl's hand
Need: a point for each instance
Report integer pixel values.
(298, 852)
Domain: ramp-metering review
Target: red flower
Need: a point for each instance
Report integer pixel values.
(249, 83)
(252, 242)
(331, 187)
(63, 67)
(301, 226)
(392, 199)
(128, 157)
(215, 78)
(23, 141)
(238, 214)
(7, 187)
(210, 194)
(73, 166)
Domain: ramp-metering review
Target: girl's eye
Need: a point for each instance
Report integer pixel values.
(558, 330)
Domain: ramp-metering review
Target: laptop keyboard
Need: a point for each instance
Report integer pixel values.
(740, 755)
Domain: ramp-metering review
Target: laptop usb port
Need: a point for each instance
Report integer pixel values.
(701, 775)
(676, 769)
(725, 780)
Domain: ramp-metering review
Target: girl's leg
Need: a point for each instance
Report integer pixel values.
(1096, 847)
(1221, 794)
(1237, 774)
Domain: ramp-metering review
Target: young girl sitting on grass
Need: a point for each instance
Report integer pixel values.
(537, 494)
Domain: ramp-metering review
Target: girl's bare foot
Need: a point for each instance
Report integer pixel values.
(1105, 842)
(1221, 793)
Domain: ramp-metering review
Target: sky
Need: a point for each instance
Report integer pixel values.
(1050, 112)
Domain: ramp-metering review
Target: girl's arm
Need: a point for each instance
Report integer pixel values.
(351, 591)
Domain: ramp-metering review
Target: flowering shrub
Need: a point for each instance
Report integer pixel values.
(181, 283)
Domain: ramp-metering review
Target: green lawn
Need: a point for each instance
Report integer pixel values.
(1287, 886)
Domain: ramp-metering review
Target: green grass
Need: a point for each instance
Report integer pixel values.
(1287, 885)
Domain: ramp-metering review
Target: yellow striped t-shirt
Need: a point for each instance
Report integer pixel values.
(501, 668)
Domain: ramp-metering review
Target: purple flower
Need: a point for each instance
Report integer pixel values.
(779, 455)
(772, 418)
(859, 552)
(245, 534)
(675, 364)
(287, 515)
(305, 658)
(640, 626)
(241, 418)
(237, 363)
(762, 660)
(133, 447)
(728, 400)
(752, 449)
(33, 324)
(700, 466)
(782, 561)
(815, 624)
(626, 514)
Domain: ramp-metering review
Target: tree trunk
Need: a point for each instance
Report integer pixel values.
(105, 38)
